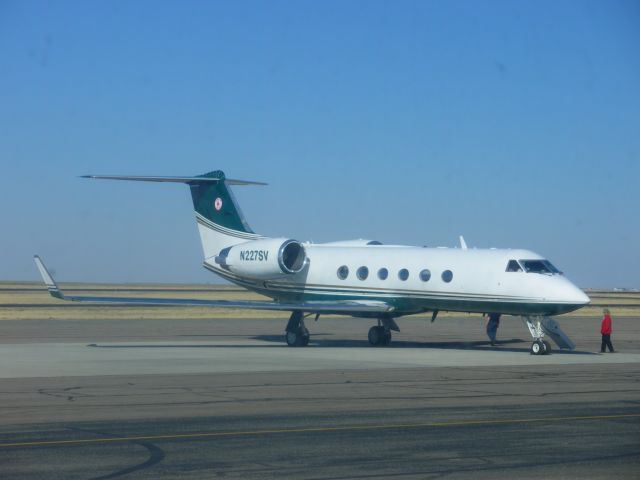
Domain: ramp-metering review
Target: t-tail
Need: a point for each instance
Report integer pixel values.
(220, 220)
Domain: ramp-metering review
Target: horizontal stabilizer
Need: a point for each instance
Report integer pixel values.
(187, 180)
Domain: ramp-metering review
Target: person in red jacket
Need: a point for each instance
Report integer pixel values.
(606, 330)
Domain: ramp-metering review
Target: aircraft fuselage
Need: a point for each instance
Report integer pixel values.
(414, 280)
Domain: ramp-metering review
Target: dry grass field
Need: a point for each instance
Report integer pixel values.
(31, 301)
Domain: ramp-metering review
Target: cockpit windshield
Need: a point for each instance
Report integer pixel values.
(539, 266)
(513, 266)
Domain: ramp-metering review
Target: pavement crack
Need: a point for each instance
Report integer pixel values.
(63, 393)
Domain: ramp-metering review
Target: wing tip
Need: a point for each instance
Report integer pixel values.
(48, 280)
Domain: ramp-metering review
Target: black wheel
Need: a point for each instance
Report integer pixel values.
(305, 337)
(293, 339)
(537, 347)
(374, 336)
(298, 337)
(378, 336)
(547, 347)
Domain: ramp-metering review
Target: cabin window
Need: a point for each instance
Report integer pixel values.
(403, 274)
(447, 276)
(343, 272)
(362, 273)
(539, 266)
(425, 275)
(383, 273)
(513, 266)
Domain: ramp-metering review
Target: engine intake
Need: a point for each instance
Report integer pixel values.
(292, 257)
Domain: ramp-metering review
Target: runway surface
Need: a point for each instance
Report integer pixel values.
(226, 399)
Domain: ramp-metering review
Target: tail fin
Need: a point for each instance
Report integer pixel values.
(220, 220)
(215, 203)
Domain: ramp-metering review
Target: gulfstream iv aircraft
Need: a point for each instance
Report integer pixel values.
(361, 278)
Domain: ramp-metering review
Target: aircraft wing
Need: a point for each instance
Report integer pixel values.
(336, 307)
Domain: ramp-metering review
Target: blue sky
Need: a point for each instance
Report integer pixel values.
(515, 123)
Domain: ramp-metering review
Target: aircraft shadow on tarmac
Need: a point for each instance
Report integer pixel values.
(351, 343)
(501, 345)
(511, 345)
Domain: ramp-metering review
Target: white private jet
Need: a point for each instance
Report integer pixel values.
(360, 278)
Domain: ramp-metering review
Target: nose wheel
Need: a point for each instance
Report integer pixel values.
(540, 347)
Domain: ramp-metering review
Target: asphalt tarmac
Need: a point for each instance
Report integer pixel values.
(155, 399)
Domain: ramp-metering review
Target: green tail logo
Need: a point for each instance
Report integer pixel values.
(216, 203)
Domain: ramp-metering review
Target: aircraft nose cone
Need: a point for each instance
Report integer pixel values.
(575, 295)
(570, 294)
(581, 297)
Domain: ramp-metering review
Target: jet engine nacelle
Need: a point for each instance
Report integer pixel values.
(266, 258)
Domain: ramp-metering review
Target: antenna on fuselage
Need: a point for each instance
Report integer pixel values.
(463, 244)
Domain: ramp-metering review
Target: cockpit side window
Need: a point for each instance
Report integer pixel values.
(551, 267)
(535, 266)
(539, 266)
(513, 266)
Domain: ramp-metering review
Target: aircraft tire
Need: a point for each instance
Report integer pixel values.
(297, 338)
(537, 348)
(378, 337)
(291, 338)
(375, 336)
(547, 347)
(305, 337)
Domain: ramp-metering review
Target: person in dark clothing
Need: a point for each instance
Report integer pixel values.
(605, 330)
(493, 322)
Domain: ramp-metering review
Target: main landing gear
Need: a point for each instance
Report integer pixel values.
(296, 333)
(380, 335)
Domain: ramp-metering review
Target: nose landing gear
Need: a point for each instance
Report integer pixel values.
(540, 347)
(541, 326)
